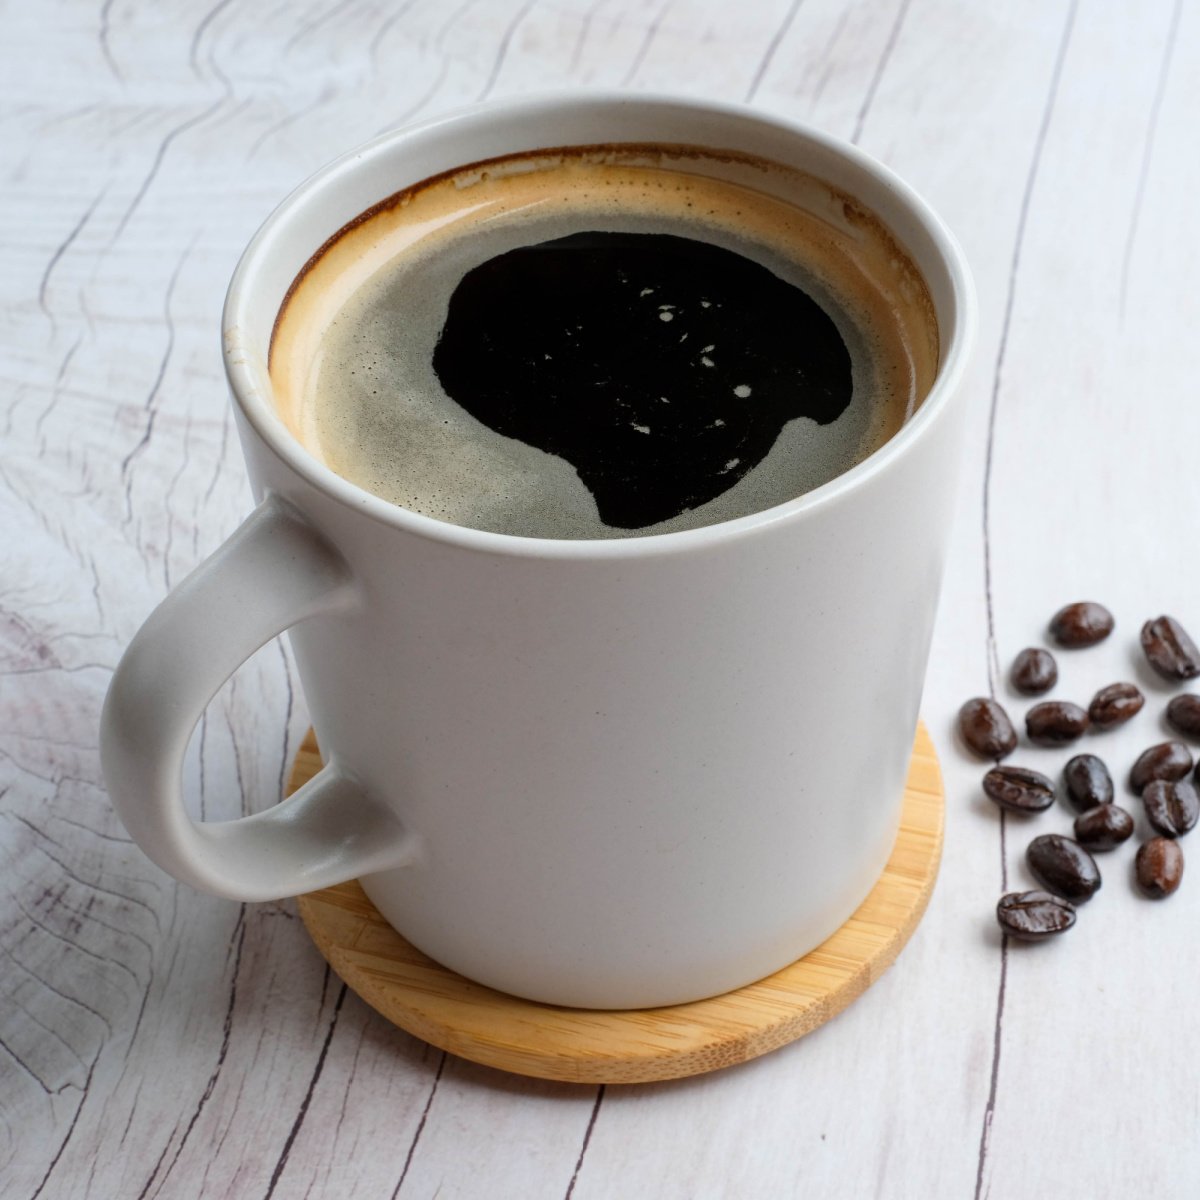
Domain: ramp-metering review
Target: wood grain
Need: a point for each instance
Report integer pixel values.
(672, 1042)
(160, 1044)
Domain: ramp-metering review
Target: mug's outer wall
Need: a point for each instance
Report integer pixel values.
(636, 782)
(642, 771)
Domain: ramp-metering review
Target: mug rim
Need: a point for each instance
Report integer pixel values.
(262, 417)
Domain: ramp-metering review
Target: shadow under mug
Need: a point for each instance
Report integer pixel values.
(606, 774)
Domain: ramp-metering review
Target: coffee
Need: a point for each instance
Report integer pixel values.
(1034, 916)
(604, 342)
(1064, 867)
(714, 355)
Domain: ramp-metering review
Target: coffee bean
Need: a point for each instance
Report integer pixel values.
(1159, 867)
(1115, 704)
(1169, 649)
(1034, 671)
(986, 729)
(1019, 789)
(1104, 827)
(1082, 624)
(1172, 808)
(1064, 867)
(1088, 782)
(1183, 713)
(1055, 722)
(1167, 760)
(1034, 916)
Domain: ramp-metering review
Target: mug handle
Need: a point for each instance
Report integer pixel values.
(274, 571)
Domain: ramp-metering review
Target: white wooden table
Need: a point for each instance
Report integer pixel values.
(155, 1042)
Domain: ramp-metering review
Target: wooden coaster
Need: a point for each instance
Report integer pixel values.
(594, 1046)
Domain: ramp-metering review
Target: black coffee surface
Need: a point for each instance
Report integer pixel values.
(661, 368)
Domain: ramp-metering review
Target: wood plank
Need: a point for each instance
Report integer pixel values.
(1088, 381)
(156, 1042)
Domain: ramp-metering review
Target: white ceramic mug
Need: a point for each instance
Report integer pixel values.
(598, 773)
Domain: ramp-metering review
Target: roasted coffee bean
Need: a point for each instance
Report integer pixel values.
(1019, 789)
(1169, 650)
(1034, 916)
(1183, 713)
(1064, 867)
(1103, 827)
(1034, 671)
(1172, 808)
(1114, 705)
(985, 727)
(1055, 722)
(1167, 760)
(1082, 624)
(1088, 782)
(1159, 867)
